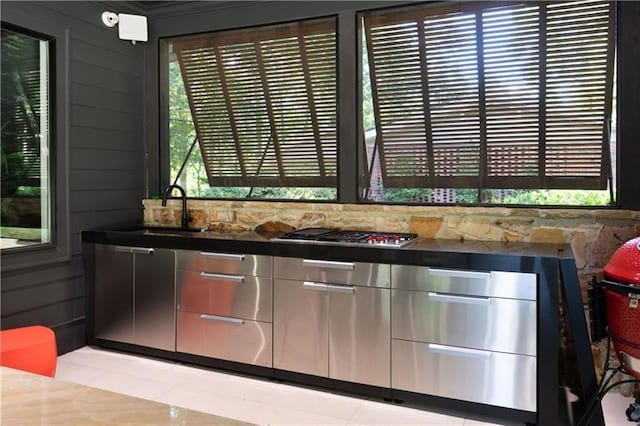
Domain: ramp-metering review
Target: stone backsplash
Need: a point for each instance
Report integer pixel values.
(593, 234)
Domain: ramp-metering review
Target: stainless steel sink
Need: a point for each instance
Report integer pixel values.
(163, 230)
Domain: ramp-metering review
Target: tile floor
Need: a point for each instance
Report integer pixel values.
(252, 400)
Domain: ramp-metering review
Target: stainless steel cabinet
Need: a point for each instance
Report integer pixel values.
(113, 294)
(491, 323)
(135, 295)
(301, 324)
(466, 335)
(225, 306)
(336, 330)
(495, 378)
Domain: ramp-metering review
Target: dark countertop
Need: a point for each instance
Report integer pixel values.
(478, 255)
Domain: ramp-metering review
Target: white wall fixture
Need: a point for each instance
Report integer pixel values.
(110, 19)
(130, 27)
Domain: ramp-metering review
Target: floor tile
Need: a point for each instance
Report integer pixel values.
(374, 413)
(259, 400)
(312, 401)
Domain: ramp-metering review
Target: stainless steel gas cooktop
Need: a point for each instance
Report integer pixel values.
(348, 237)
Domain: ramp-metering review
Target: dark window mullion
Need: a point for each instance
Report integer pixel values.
(268, 104)
(542, 95)
(425, 100)
(482, 107)
(232, 120)
(311, 103)
(379, 144)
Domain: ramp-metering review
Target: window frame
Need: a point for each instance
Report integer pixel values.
(351, 166)
(402, 21)
(58, 249)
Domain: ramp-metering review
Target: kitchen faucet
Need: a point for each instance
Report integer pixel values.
(186, 217)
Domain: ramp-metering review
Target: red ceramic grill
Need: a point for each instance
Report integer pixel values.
(622, 290)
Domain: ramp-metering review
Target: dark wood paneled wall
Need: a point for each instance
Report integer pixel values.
(105, 164)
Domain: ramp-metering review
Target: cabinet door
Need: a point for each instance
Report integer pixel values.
(154, 284)
(300, 327)
(360, 335)
(113, 298)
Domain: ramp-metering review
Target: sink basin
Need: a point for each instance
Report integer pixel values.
(162, 230)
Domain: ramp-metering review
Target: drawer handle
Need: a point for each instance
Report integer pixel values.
(309, 285)
(140, 250)
(221, 319)
(464, 352)
(453, 273)
(223, 256)
(342, 289)
(327, 264)
(136, 250)
(223, 277)
(449, 298)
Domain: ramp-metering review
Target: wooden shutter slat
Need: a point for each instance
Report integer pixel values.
(538, 104)
(268, 98)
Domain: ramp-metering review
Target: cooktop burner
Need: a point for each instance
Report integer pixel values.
(333, 235)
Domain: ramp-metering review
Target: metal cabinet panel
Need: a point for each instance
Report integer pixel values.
(512, 285)
(155, 306)
(494, 378)
(300, 327)
(504, 325)
(113, 298)
(225, 263)
(237, 296)
(359, 335)
(334, 272)
(227, 338)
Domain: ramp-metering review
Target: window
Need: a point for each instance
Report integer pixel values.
(261, 104)
(25, 126)
(495, 103)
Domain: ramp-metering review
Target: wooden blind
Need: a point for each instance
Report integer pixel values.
(21, 105)
(490, 95)
(263, 101)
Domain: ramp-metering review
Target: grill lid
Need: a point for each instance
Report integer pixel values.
(624, 265)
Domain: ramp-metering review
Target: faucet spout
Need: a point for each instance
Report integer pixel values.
(186, 217)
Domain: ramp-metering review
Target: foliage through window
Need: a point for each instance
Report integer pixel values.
(484, 102)
(25, 126)
(261, 103)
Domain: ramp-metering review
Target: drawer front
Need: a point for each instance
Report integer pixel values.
(224, 263)
(493, 378)
(238, 296)
(505, 325)
(511, 285)
(329, 271)
(225, 338)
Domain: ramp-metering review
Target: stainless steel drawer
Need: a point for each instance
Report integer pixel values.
(224, 263)
(329, 271)
(505, 325)
(512, 285)
(232, 339)
(493, 378)
(239, 296)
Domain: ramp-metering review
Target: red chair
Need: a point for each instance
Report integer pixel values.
(30, 349)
